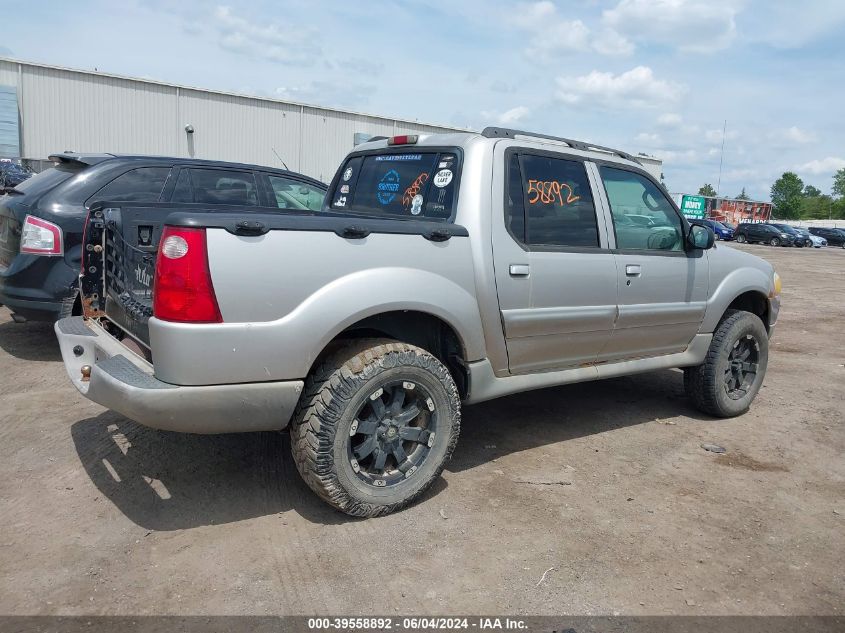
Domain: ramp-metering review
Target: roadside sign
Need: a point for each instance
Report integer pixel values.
(694, 207)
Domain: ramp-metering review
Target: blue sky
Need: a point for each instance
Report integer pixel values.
(654, 76)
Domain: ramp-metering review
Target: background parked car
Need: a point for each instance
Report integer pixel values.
(799, 239)
(762, 233)
(818, 242)
(721, 231)
(834, 237)
(11, 175)
(41, 218)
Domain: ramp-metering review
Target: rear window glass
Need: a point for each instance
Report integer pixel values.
(46, 180)
(410, 184)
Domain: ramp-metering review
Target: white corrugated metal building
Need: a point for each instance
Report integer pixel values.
(46, 109)
(61, 109)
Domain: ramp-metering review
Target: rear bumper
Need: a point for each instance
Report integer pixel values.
(123, 382)
(38, 288)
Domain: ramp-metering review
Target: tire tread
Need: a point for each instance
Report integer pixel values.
(327, 390)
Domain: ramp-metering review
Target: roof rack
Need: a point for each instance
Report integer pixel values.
(503, 132)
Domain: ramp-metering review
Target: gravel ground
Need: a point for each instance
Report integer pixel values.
(586, 499)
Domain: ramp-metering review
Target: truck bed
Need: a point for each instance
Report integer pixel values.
(268, 269)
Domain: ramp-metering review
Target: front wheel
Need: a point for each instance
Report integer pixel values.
(740, 239)
(725, 384)
(774, 241)
(375, 425)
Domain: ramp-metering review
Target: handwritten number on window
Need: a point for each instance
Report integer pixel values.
(550, 192)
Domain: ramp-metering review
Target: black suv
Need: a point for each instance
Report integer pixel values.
(834, 237)
(764, 233)
(41, 219)
(799, 239)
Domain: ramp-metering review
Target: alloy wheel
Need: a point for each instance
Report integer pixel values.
(392, 433)
(743, 364)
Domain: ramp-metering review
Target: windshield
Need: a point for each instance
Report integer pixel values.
(409, 184)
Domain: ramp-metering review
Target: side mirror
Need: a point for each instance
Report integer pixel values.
(701, 236)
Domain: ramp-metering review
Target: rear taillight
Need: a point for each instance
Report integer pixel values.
(40, 237)
(182, 290)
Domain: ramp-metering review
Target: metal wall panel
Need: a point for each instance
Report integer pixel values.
(64, 109)
(8, 73)
(9, 129)
(240, 129)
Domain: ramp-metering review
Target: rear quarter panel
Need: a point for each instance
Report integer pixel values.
(284, 296)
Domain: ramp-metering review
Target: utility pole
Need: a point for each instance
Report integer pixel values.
(721, 157)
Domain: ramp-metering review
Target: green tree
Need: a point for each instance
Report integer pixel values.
(707, 190)
(839, 183)
(787, 193)
(812, 192)
(817, 208)
(743, 195)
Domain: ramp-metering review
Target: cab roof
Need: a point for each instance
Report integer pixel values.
(458, 138)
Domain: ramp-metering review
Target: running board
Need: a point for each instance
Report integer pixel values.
(485, 385)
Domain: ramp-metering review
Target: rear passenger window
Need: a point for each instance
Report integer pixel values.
(294, 194)
(224, 186)
(556, 202)
(139, 185)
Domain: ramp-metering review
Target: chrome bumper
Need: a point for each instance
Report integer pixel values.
(122, 381)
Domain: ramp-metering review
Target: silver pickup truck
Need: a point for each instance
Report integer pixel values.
(441, 270)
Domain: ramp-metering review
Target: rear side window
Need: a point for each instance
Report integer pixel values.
(412, 184)
(138, 185)
(554, 199)
(294, 194)
(223, 186)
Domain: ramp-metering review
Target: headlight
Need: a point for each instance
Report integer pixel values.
(776, 285)
(784, 234)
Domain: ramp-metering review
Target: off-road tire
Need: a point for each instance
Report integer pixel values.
(331, 399)
(705, 383)
(740, 239)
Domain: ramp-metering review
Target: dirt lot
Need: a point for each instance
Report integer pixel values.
(604, 484)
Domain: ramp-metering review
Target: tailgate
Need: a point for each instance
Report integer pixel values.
(119, 265)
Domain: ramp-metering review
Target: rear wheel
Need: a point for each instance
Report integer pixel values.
(775, 241)
(725, 384)
(740, 239)
(375, 426)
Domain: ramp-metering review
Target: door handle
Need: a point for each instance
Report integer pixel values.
(519, 270)
(633, 270)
